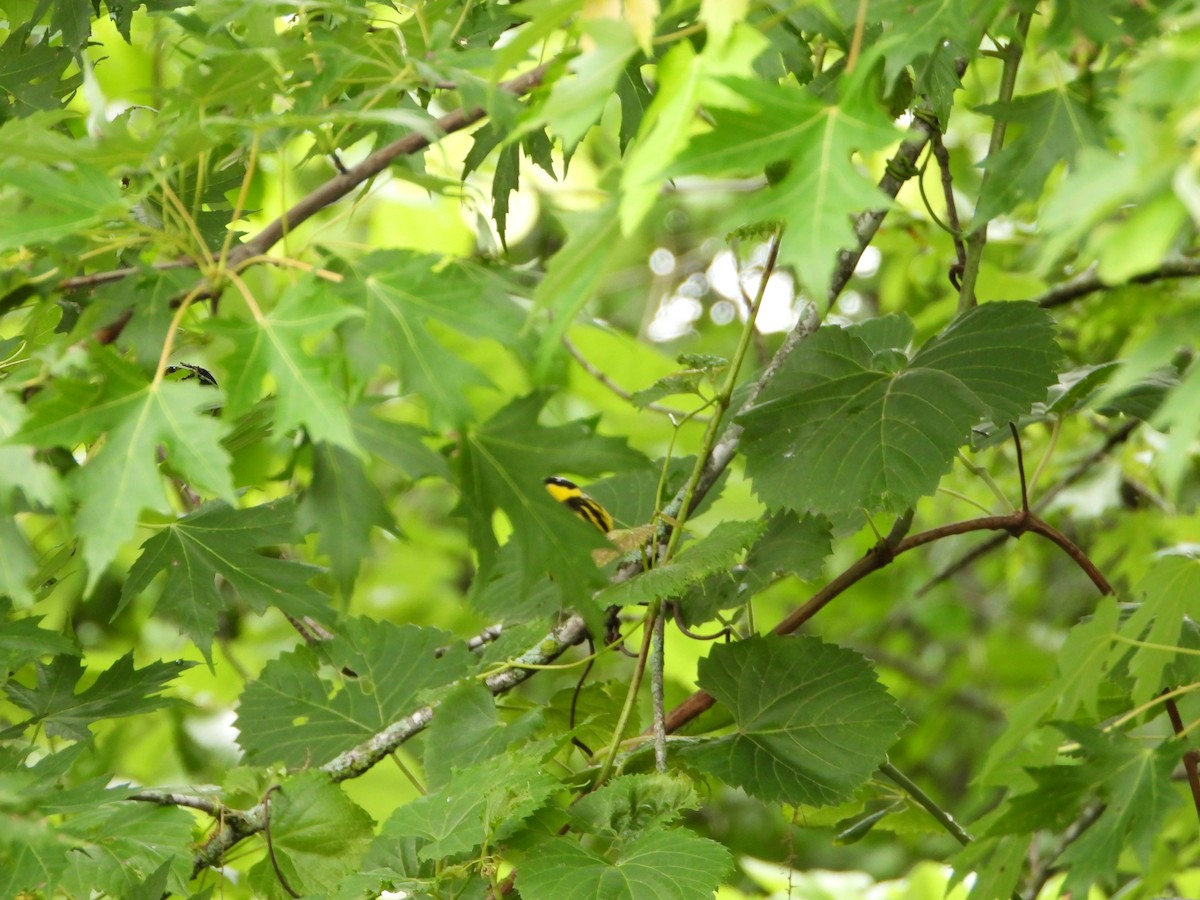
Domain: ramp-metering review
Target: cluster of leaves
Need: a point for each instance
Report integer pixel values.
(373, 395)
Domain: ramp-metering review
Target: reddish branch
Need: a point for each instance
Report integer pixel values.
(881, 555)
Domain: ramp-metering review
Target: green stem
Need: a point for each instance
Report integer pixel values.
(911, 788)
(977, 239)
(722, 400)
(652, 612)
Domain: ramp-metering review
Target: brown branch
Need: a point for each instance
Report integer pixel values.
(881, 556)
(1118, 437)
(332, 190)
(1191, 758)
(1089, 282)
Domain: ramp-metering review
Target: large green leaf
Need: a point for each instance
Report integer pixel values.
(219, 540)
(121, 690)
(318, 834)
(822, 187)
(122, 478)
(1055, 125)
(273, 346)
(291, 715)
(501, 466)
(811, 723)
(661, 863)
(400, 294)
(342, 505)
(1131, 778)
(851, 422)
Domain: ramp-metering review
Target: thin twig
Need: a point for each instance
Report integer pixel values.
(965, 561)
(1191, 757)
(169, 798)
(603, 378)
(940, 816)
(977, 239)
(1012, 426)
(266, 803)
(657, 658)
(1089, 282)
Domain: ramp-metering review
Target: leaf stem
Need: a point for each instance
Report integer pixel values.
(913, 790)
(977, 239)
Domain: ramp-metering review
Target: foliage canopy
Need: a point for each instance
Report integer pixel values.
(301, 302)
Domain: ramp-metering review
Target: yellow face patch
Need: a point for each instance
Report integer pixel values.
(569, 494)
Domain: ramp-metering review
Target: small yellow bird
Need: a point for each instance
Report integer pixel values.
(587, 508)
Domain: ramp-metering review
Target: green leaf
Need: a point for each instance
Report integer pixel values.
(121, 690)
(501, 466)
(811, 722)
(22, 640)
(273, 346)
(912, 36)
(576, 100)
(218, 540)
(1170, 593)
(1083, 663)
(486, 802)
(115, 848)
(718, 551)
(842, 428)
(400, 294)
(467, 730)
(342, 505)
(666, 863)
(1058, 124)
(632, 804)
(822, 188)
(398, 444)
(1133, 780)
(318, 834)
(122, 478)
(291, 715)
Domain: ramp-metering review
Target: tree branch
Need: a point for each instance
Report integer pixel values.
(335, 188)
(1089, 282)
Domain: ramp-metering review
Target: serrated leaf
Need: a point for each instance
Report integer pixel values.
(399, 294)
(840, 428)
(1170, 594)
(273, 346)
(291, 715)
(1133, 780)
(822, 188)
(483, 802)
(1058, 123)
(632, 804)
(115, 848)
(218, 540)
(501, 466)
(122, 478)
(717, 551)
(341, 506)
(467, 730)
(576, 100)
(318, 834)
(121, 690)
(665, 863)
(811, 721)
